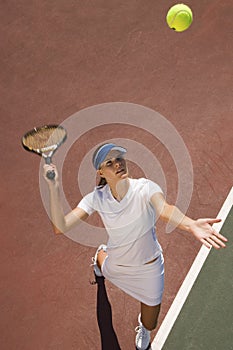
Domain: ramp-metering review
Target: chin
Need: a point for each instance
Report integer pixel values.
(124, 176)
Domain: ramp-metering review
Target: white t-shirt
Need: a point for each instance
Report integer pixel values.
(130, 223)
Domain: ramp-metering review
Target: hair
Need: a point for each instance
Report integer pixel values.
(102, 182)
(96, 151)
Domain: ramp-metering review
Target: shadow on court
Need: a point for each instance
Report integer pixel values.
(104, 317)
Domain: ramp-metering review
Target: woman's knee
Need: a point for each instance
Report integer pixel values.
(101, 257)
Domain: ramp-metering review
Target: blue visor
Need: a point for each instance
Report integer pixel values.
(103, 151)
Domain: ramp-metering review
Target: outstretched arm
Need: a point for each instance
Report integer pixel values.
(201, 228)
(61, 222)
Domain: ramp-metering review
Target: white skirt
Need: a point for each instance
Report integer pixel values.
(144, 283)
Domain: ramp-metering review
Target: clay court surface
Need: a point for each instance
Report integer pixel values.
(58, 58)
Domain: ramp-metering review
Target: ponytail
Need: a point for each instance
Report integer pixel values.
(102, 182)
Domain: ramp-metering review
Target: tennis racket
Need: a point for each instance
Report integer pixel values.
(44, 141)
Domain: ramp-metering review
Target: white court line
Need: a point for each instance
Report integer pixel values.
(189, 280)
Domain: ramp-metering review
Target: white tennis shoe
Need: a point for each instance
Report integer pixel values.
(97, 270)
(142, 337)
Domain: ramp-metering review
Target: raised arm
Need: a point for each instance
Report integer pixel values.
(200, 228)
(61, 222)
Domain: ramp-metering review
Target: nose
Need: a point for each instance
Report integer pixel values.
(118, 162)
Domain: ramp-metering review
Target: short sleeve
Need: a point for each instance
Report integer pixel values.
(87, 203)
(154, 188)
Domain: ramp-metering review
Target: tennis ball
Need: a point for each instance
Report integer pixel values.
(179, 17)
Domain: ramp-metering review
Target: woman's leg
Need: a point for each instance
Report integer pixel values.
(147, 322)
(101, 257)
(149, 316)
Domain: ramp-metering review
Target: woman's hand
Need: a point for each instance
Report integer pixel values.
(52, 168)
(205, 233)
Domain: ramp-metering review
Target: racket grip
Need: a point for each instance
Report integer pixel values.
(50, 174)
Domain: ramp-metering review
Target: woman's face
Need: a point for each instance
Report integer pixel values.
(114, 168)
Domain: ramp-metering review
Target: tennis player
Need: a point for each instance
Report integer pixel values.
(129, 208)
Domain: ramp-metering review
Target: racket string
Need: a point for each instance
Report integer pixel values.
(44, 138)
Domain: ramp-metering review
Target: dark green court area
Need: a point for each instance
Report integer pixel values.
(206, 319)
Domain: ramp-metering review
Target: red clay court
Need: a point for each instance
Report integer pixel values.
(59, 58)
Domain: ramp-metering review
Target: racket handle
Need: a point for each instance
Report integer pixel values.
(50, 174)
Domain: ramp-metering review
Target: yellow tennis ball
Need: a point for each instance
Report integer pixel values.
(179, 17)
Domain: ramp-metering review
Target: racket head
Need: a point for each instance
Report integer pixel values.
(45, 139)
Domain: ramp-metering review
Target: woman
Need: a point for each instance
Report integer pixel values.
(129, 208)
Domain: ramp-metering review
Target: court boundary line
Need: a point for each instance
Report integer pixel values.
(189, 280)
